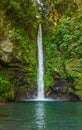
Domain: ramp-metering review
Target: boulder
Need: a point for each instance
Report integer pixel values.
(74, 97)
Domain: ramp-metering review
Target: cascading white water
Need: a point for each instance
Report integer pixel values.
(40, 93)
(40, 78)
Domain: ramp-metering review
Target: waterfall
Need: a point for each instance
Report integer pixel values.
(40, 83)
(40, 77)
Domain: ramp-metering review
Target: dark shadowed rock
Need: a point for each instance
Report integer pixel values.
(74, 97)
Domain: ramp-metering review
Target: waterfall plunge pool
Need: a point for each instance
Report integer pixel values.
(41, 116)
(39, 99)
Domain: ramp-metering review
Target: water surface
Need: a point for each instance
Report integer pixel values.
(41, 116)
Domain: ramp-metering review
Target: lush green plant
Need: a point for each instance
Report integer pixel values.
(27, 52)
(68, 37)
(63, 50)
(6, 90)
(20, 16)
(48, 60)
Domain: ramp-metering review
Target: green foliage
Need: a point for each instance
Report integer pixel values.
(6, 91)
(27, 48)
(49, 60)
(68, 37)
(23, 15)
(19, 13)
(20, 18)
(64, 50)
(66, 7)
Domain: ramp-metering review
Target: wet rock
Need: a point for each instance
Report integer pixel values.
(63, 89)
(23, 93)
(20, 93)
(59, 86)
(74, 97)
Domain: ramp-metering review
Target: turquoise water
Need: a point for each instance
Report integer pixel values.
(41, 116)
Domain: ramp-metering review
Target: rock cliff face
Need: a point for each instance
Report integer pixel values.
(6, 50)
(63, 89)
(7, 53)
